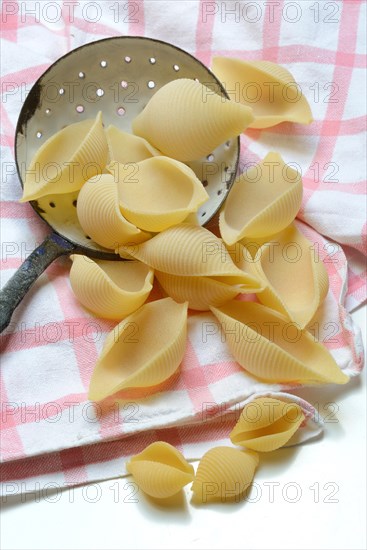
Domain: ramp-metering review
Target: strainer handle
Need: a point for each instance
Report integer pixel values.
(35, 264)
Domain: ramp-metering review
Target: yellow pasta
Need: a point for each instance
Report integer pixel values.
(270, 347)
(295, 279)
(189, 250)
(160, 470)
(186, 120)
(100, 216)
(266, 424)
(111, 290)
(203, 292)
(224, 474)
(268, 88)
(67, 159)
(263, 201)
(143, 350)
(161, 192)
(124, 147)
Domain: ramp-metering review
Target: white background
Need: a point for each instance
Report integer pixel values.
(325, 479)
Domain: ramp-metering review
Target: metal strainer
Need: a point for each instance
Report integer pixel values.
(117, 76)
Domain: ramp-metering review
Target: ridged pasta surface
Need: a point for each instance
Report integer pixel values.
(125, 148)
(266, 424)
(268, 88)
(144, 350)
(186, 120)
(263, 201)
(111, 290)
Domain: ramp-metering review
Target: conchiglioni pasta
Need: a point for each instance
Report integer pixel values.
(203, 292)
(263, 200)
(268, 88)
(186, 120)
(100, 216)
(266, 424)
(67, 159)
(144, 350)
(124, 147)
(111, 290)
(224, 474)
(160, 470)
(294, 277)
(270, 347)
(162, 192)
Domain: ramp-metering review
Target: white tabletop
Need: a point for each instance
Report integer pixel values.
(306, 497)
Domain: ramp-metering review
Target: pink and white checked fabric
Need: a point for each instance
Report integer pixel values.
(50, 432)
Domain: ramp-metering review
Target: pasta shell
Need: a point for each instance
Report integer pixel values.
(72, 155)
(100, 216)
(162, 193)
(111, 290)
(125, 148)
(268, 88)
(203, 292)
(186, 120)
(224, 474)
(266, 424)
(143, 350)
(270, 347)
(263, 201)
(281, 264)
(189, 250)
(160, 470)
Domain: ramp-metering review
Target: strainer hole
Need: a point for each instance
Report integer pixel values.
(103, 64)
(100, 92)
(52, 204)
(152, 60)
(39, 135)
(205, 183)
(48, 111)
(151, 84)
(196, 80)
(210, 157)
(228, 144)
(127, 59)
(61, 91)
(124, 84)
(88, 237)
(203, 214)
(74, 202)
(81, 74)
(121, 111)
(79, 109)
(219, 192)
(176, 68)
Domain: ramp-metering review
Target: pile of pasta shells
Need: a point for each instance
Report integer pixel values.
(148, 216)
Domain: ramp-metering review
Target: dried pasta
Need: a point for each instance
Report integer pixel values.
(124, 147)
(270, 347)
(224, 474)
(111, 290)
(266, 424)
(268, 88)
(281, 264)
(143, 350)
(160, 470)
(263, 201)
(161, 192)
(100, 216)
(67, 159)
(186, 120)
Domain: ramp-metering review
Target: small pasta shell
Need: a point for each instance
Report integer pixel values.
(100, 216)
(162, 192)
(186, 120)
(281, 264)
(144, 350)
(203, 292)
(188, 250)
(278, 98)
(273, 349)
(160, 470)
(263, 201)
(125, 148)
(111, 290)
(224, 474)
(77, 152)
(266, 424)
